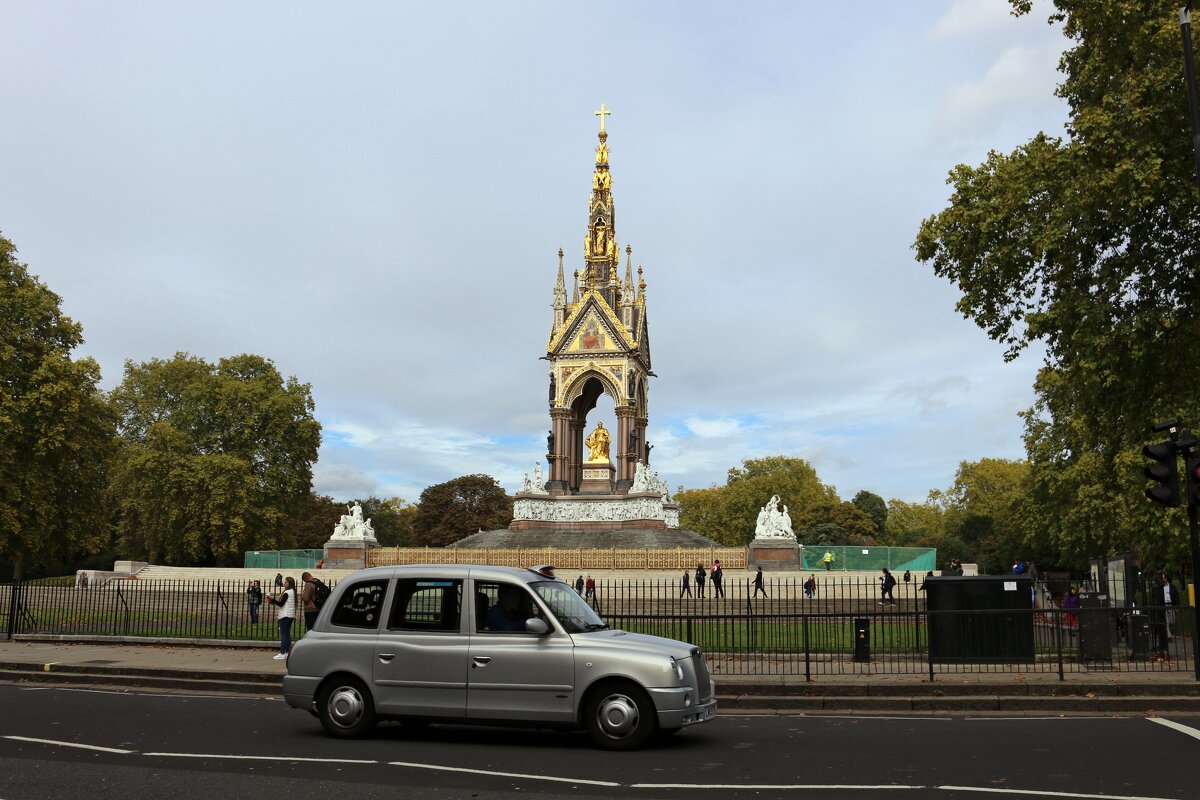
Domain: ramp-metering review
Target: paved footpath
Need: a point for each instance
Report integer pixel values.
(174, 667)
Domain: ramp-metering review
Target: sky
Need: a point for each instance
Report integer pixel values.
(373, 195)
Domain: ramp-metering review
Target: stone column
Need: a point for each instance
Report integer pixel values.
(626, 455)
(559, 481)
(575, 455)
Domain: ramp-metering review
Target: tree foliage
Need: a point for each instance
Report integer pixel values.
(874, 507)
(1088, 244)
(56, 429)
(447, 512)
(728, 514)
(216, 459)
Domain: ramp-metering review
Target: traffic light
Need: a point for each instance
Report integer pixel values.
(1192, 465)
(1165, 471)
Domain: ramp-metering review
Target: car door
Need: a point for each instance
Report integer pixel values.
(515, 674)
(421, 655)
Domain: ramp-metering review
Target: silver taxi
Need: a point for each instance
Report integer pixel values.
(476, 644)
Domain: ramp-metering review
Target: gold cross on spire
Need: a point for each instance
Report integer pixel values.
(602, 113)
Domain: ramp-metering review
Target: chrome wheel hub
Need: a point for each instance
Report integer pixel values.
(345, 706)
(617, 716)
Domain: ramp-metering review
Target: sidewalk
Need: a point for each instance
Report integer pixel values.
(187, 668)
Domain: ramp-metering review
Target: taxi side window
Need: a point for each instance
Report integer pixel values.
(503, 607)
(426, 605)
(359, 605)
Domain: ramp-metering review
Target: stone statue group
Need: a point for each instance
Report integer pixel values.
(644, 480)
(773, 523)
(353, 526)
(536, 484)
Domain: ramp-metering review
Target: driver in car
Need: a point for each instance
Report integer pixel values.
(510, 611)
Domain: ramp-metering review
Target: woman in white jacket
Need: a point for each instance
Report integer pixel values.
(287, 613)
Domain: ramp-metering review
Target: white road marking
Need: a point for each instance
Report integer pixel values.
(1184, 729)
(154, 694)
(818, 715)
(501, 774)
(1043, 793)
(57, 743)
(778, 787)
(1043, 719)
(236, 757)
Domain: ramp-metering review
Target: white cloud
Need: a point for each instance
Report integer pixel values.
(973, 17)
(1020, 76)
(708, 428)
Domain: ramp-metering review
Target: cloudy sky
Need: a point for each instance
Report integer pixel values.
(372, 194)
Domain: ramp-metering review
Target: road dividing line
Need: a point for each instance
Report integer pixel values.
(1043, 793)
(57, 743)
(777, 787)
(1192, 732)
(494, 774)
(235, 757)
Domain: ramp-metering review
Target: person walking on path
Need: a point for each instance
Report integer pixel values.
(1070, 606)
(810, 587)
(278, 582)
(827, 559)
(254, 597)
(887, 582)
(907, 578)
(308, 597)
(718, 579)
(700, 573)
(579, 586)
(685, 587)
(287, 614)
(758, 583)
(590, 590)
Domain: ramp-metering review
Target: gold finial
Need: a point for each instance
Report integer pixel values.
(602, 113)
(560, 255)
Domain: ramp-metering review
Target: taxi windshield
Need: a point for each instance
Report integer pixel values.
(572, 612)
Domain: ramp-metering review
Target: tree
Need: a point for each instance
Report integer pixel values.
(728, 513)
(874, 507)
(1086, 244)
(57, 429)
(312, 525)
(980, 510)
(909, 523)
(217, 459)
(447, 512)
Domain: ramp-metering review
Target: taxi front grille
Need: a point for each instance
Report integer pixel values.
(703, 683)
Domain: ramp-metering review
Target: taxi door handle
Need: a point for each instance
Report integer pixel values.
(386, 657)
(481, 661)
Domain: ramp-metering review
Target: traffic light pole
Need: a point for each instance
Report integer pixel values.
(1189, 70)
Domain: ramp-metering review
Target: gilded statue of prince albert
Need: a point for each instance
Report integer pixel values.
(597, 443)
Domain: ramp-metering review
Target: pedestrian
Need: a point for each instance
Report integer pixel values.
(685, 586)
(810, 587)
(718, 579)
(887, 582)
(907, 577)
(254, 597)
(278, 582)
(590, 588)
(1165, 597)
(287, 614)
(308, 600)
(928, 575)
(700, 573)
(1070, 605)
(579, 585)
(828, 560)
(758, 583)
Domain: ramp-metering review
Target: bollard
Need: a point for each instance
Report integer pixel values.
(862, 639)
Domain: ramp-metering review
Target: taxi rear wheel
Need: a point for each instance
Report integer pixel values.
(345, 708)
(619, 716)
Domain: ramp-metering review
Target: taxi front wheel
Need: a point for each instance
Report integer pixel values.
(345, 708)
(619, 716)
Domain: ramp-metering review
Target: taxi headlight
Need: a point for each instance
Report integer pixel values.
(677, 669)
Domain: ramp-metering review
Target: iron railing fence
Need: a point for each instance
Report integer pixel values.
(839, 625)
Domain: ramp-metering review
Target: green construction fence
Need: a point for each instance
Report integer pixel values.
(281, 559)
(860, 558)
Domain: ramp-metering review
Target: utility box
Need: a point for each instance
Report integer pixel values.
(862, 639)
(980, 619)
(1095, 627)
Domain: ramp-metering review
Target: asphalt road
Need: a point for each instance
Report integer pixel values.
(64, 743)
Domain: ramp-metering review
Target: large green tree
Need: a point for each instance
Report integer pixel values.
(447, 512)
(1087, 244)
(56, 429)
(216, 458)
(981, 509)
(728, 513)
